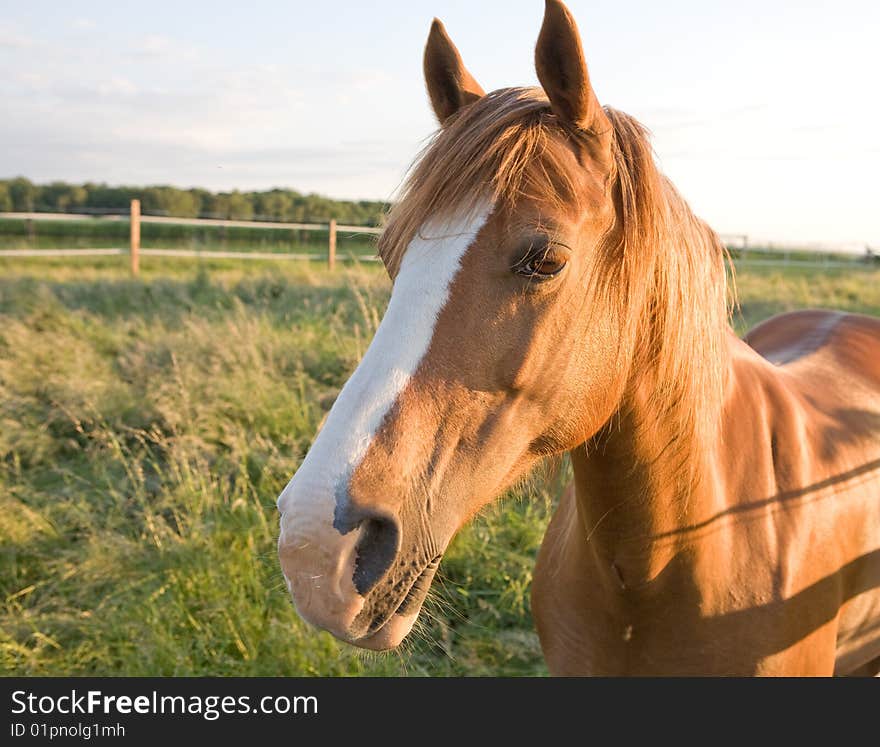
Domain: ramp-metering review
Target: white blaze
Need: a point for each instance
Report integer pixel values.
(404, 336)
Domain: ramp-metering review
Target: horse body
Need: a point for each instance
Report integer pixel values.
(773, 566)
(554, 293)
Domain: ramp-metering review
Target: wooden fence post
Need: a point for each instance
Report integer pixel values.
(331, 245)
(135, 247)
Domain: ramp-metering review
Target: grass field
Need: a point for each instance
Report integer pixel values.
(146, 427)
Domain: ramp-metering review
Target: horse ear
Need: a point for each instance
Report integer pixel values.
(450, 85)
(562, 70)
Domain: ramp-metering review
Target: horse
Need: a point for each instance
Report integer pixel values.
(552, 293)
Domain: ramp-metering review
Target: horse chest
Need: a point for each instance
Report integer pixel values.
(591, 629)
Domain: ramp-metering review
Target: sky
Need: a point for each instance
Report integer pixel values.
(764, 113)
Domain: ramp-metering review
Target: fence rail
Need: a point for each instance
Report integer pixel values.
(61, 252)
(746, 253)
(135, 251)
(206, 222)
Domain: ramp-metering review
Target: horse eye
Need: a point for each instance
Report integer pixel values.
(542, 266)
(546, 267)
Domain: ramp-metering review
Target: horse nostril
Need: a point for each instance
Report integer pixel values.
(376, 550)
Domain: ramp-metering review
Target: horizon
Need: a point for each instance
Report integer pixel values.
(760, 127)
(184, 187)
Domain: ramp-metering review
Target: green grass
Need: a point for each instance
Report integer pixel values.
(146, 427)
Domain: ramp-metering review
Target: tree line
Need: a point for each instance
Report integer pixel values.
(22, 195)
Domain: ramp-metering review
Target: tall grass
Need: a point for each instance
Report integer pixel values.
(146, 427)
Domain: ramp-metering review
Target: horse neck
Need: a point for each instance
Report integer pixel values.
(639, 482)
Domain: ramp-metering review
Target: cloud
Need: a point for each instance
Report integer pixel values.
(13, 39)
(245, 130)
(116, 85)
(156, 108)
(165, 48)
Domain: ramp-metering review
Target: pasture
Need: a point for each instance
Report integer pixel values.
(146, 428)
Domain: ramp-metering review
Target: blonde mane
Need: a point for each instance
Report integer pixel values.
(661, 271)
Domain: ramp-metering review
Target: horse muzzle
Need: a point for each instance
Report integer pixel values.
(344, 575)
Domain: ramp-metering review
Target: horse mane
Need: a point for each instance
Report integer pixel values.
(670, 266)
(661, 273)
